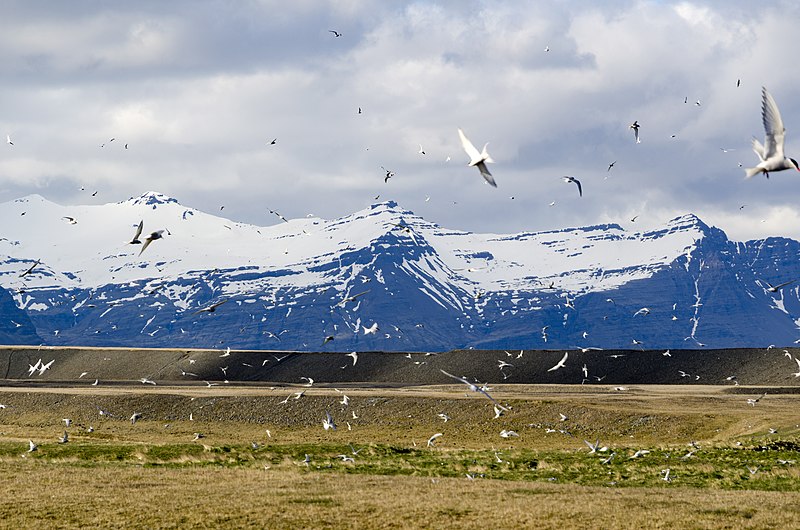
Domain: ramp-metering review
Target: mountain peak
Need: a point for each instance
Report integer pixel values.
(688, 220)
(152, 198)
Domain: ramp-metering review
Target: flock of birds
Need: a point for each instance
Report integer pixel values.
(771, 158)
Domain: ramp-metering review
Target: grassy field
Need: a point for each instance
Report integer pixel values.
(731, 464)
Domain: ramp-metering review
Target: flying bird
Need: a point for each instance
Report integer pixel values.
(478, 159)
(8, 140)
(70, 220)
(752, 401)
(770, 154)
(354, 355)
(559, 364)
(30, 269)
(635, 126)
(149, 239)
(135, 240)
(328, 423)
(610, 166)
(335, 33)
(433, 438)
(352, 298)
(213, 307)
(577, 183)
(421, 150)
(282, 218)
(775, 288)
(474, 388)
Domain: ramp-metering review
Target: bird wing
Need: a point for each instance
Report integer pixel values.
(784, 284)
(138, 230)
(580, 189)
(758, 149)
(353, 297)
(216, 305)
(485, 393)
(486, 175)
(145, 245)
(472, 152)
(560, 363)
(773, 126)
(455, 377)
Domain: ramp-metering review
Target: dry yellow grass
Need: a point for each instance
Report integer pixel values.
(152, 474)
(70, 496)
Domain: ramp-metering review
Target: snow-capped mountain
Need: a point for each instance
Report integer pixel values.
(381, 279)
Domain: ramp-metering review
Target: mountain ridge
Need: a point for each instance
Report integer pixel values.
(426, 287)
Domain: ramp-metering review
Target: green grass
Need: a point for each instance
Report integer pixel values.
(713, 467)
(545, 478)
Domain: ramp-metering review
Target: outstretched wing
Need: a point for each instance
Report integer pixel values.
(773, 126)
(461, 379)
(758, 149)
(474, 155)
(146, 244)
(486, 175)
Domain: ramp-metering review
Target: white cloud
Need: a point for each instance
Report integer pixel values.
(198, 89)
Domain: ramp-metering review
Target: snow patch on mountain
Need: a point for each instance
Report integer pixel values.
(428, 287)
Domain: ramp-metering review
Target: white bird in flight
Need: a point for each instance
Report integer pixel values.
(559, 364)
(474, 388)
(354, 355)
(771, 153)
(433, 438)
(152, 237)
(478, 159)
(328, 423)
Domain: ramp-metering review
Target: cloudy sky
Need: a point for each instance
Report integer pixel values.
(198, 89)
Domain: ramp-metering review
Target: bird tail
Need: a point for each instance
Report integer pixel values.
(751, 172)
(485, 154)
